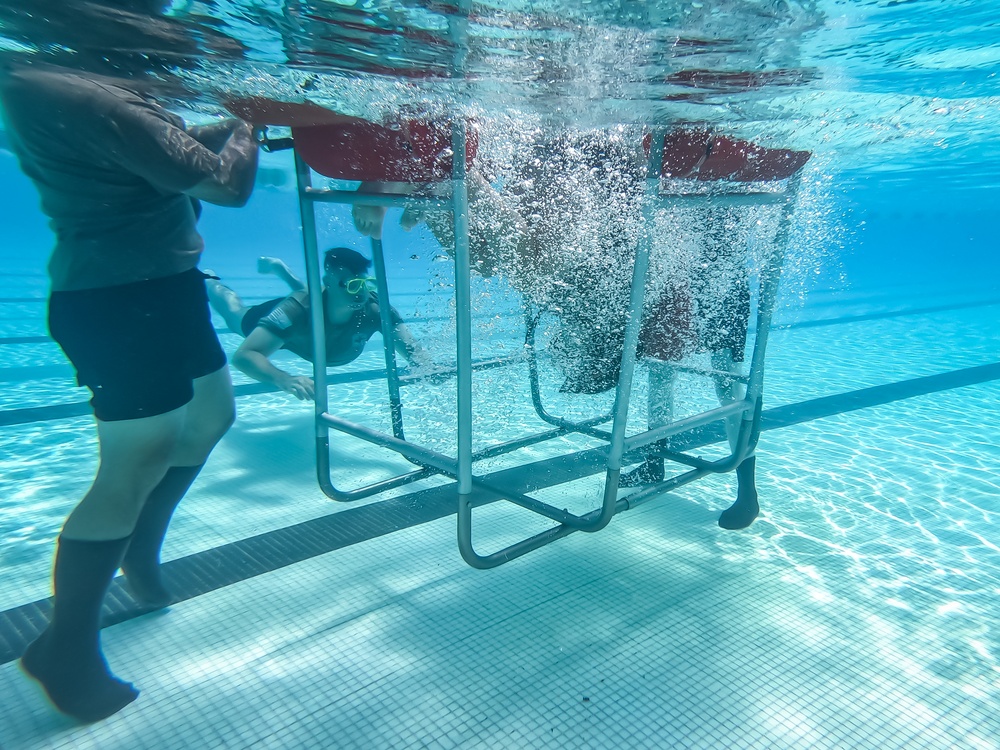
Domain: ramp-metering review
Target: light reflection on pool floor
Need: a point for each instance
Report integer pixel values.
(859, 610)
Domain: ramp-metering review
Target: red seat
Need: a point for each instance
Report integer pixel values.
(412, 150)
(701, 155)
(407, 151)
(350, 148)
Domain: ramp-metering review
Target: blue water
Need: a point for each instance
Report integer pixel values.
(860, 610)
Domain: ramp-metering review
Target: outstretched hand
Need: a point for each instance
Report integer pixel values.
(299, 386)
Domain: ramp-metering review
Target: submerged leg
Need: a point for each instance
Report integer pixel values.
(141, 564)
(662, 378)
(728, 390)
(278, 267)
(66, 659)
(226, 302)
(207, 417)
(745, 509)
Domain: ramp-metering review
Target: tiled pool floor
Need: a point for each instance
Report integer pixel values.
(860, 610)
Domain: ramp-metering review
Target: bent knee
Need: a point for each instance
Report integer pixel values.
(208, 427)
(226, 420)
(202, 433)
(123, 485)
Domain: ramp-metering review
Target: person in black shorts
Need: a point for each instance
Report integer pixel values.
(120, 177)
(352, 317)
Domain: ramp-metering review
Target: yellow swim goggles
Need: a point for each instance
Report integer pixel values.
(359, 284)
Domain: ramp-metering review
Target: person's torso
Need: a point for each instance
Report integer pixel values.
(111, 225)
(344, 341)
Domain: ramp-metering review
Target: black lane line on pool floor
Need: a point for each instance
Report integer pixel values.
(30, 414)
(212, 569)
(415, 321)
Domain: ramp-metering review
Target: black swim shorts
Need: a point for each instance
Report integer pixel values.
(254, 314)
(139, 346)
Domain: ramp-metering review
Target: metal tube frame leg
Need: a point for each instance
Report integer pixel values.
(748, 435)
(388, 338)
(314, 283)
(600, 517)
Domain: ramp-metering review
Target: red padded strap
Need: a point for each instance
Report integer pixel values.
(409, 151)
(260, 111)
(350, 148)
(700, 155)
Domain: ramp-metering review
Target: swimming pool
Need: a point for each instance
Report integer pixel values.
(859, 610)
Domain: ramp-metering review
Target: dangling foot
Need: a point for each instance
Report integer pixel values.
(649, 472)
(411, 217)
(742, 513)
(267, 264)
(76, 681)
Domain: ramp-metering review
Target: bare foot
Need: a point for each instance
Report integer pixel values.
(267, 264)
(368, 220)
(411, 217)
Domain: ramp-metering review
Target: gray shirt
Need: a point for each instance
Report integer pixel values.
(291, 322)
(110, 166)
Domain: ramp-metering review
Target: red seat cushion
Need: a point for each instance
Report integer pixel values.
(700, 155)
(408, 151)
(350, 148)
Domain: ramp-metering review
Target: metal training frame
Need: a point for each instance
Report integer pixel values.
(460, 466)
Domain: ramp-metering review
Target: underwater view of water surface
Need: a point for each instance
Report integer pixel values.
(781, 214)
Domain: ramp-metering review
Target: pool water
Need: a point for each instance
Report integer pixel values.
(860, 608)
